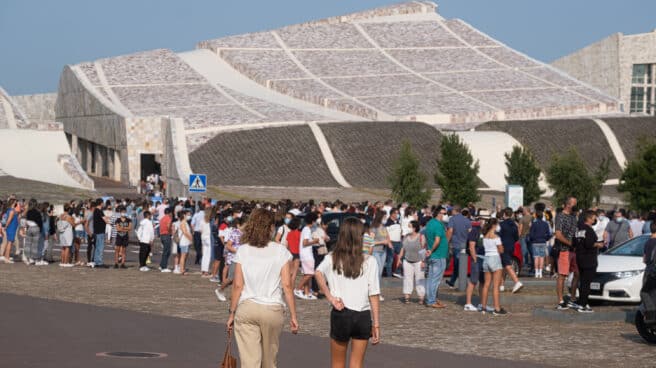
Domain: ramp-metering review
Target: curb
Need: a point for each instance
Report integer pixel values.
(512, 299)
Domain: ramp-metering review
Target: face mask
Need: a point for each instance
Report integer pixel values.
(519, 217)
(287, 220)
(187, 217)
(123, 214)
(229, 219)
(319, 220)
(618, 219)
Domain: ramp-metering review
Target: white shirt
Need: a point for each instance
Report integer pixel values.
(184, 241)
(261, 268)
(405, 225)
(491, 245)
(636, 227)
(146, 232)
(394, 232)
(197, 219)
(283, 231)
(600, 227)
(354, 293)
(306, 252)
(205, 232)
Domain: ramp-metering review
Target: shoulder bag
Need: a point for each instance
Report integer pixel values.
(229, 361)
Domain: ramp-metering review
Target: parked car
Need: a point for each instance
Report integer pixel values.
(619, 273)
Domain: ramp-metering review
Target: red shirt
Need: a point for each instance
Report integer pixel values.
(293, 240)
(165, 225)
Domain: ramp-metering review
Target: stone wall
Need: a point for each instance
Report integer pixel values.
(39, 108)
(144, 136)
(634, 49)
(175, 165)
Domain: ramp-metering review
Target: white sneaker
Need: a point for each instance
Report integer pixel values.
(144, 269)
(62, 265)
(299, 294)
(68, 265)
(91, 264)
(548, 268)
(44, 263)
(25, 260)
(166, 270)
(487, 308)
(220, 295)
(517, 286)
(3, 259)
(176, 271)
(380, 297)
(470, 308)
(502, 288)
(310, 297)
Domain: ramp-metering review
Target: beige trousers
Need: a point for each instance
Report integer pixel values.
(257, 332)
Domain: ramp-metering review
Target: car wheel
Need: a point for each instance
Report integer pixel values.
(646, 332)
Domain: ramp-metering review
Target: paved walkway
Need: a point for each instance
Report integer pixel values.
(45, 333)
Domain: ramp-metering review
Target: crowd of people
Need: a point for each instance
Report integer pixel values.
(376, 239)
(415, 244)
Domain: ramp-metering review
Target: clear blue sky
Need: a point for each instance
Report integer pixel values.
(37, 38)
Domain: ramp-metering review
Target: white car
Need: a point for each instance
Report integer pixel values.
(620, 271)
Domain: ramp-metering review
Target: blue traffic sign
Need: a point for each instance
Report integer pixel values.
(197, 183)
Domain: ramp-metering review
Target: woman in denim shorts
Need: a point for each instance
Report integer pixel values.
(492, 266)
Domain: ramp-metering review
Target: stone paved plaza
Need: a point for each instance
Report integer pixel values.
(519, 336)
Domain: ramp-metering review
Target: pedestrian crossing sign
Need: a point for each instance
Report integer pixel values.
(197, 183)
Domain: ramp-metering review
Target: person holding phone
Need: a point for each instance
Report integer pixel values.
(354, 295)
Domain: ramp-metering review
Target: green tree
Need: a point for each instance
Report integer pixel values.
(568, 176)
(523, 170)
(407, 181)
(639, 179)
(457, 172)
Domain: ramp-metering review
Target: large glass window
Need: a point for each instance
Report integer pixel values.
(637, 99)
(639, 71)
(643, 86)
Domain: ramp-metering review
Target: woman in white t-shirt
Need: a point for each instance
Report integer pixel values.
(256, 305)
(492, 266)
(354, 294)
(186, 239)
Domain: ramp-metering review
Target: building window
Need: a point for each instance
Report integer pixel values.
(643, 88)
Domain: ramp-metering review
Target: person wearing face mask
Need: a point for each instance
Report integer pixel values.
(619, 230)
(123, 228)
(509, 234)
(283, 231)
(600, 227)
(566, 227)
(186, 239)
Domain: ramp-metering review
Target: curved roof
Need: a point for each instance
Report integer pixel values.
(406, 62)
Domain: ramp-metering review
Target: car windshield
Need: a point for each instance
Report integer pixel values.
(634, 247)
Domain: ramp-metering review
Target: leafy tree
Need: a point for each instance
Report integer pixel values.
(601, 175)
(457, 172)
(568, 176)
(523, 170)
(639, 178)
(407, 181)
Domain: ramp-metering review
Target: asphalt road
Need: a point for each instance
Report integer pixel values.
(46, 333)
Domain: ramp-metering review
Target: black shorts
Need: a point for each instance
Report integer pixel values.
(218, 253)
(122, 241)
(348, 324)
(507, 256)
(295, 256)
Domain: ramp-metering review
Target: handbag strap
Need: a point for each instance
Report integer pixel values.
(228, 349)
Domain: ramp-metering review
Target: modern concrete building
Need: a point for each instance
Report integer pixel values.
(623, 66)
(319, 104)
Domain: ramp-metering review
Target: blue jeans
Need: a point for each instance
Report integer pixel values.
(527, 251)
(100, 248)
(380, 256)
(456, 265)
(389, 261)
(436, 269)
(166, 250)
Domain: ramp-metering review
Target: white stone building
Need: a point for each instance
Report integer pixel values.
(624, 66)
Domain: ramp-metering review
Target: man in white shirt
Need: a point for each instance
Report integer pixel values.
(146, 236)
(196, 223)
(636, 224)
(600, 226)
(394, 230)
